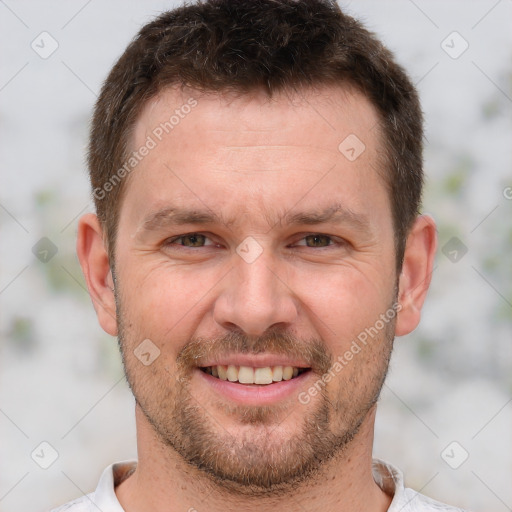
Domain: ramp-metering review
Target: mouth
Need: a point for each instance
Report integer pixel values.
(260, 376)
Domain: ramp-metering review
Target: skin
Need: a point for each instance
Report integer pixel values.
(256, 162)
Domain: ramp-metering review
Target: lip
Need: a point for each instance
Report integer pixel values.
(254, 394)
(254, 360)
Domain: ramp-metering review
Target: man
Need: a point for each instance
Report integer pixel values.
(257, 175)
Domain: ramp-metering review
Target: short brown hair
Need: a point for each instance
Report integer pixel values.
(244, 45)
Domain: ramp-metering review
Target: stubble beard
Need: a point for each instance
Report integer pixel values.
(252, 461)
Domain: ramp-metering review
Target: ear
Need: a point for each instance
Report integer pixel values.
(93, 258)
(416, 273)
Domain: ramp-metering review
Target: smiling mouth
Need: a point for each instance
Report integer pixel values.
(250, 375)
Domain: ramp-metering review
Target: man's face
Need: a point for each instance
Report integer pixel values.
(249, 237)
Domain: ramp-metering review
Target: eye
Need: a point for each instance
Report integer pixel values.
(190, 240)
(316, 240)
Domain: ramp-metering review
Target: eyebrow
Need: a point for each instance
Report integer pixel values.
(335, 214)
(176, 216)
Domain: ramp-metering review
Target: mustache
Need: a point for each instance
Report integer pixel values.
(311, 351)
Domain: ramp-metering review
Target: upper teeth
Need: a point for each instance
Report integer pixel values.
(250, 375)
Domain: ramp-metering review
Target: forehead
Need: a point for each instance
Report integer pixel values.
(329, 109)
(255, 152)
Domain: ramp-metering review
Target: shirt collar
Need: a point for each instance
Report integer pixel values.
(386, 476)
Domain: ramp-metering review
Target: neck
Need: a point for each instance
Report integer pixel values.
(164, 482)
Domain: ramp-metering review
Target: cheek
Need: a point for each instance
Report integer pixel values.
(164, 304)
(342, 303)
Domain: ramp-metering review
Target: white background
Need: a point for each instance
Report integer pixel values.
(61, 381)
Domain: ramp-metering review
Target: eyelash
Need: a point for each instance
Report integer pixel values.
(333, 241)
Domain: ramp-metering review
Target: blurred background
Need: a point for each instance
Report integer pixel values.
(445, 416)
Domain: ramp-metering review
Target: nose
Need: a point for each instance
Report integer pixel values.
(254, 298)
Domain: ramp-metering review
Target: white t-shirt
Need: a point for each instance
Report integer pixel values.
(386, 476)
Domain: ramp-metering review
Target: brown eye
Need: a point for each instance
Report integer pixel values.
(317, 240)
(191, 240)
